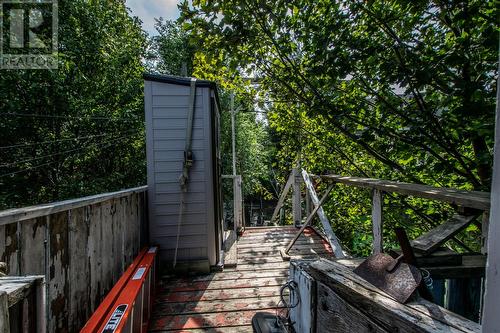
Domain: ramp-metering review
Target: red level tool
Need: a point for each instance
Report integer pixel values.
(127, 306)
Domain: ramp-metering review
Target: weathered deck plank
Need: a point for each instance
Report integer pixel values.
(226, 301)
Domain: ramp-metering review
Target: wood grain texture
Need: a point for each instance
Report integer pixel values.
(377, 201)
(332, 238)
(333, 311)
(81, 251)
(379, 307)
(282, 197)
(436, 237)
(471, 199)
(27, 213)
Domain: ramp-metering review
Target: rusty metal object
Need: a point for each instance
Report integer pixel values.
(410, 259)
(394, 277)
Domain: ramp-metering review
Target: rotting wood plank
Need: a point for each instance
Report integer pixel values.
(227, 329)
(256, 267)
(301, 241)
(376, 304)
(472, 199)
(203, 320)
(254, 285)
(223, 284)
(185, 308)
(436, 237)
(335, 312)
(218, 294)
(226, 276)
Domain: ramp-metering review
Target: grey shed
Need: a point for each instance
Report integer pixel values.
(167, 107)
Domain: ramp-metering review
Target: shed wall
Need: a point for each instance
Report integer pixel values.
(167, 108)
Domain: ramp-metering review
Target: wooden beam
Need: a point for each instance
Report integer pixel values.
(327, 228)
(471, 199)
(436, 237)
(309, 219)
(377, 200)
(282, 198)
(296, 198)
(28, 213)
(420, 316)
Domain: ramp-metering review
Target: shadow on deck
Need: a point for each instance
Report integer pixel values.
(227, 301)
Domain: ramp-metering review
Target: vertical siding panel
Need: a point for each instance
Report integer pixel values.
(117, 239)
(33, 246)
(95, 255)
(10, 255)
(58, 272)
(79, 269)
(107, 247)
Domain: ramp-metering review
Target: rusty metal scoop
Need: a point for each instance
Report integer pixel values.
(396, 278)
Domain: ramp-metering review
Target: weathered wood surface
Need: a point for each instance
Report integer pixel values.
(308, 220)
(231, 250)
(471, 199)
(296, 198)
(333, 311)
(436, 237)
(472, 266)
(282, 197)
(25, 297)
(227, 300)
(4, 313)
(377, 201)
(81, 247)
(327, 228)
(303, 315)
(27, 213)
(382, 309)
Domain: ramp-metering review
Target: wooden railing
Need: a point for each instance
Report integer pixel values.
(81, 246)
(462, 200)
(469, 203)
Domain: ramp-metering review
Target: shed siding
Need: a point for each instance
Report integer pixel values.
(166, 123)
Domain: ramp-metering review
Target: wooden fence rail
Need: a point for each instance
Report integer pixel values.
(81, 246)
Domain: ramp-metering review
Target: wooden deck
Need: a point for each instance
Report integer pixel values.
(226, 301)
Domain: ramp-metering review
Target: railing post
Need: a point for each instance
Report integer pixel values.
(237, 204)
(296, 201)
(484, 232)
(377, 200)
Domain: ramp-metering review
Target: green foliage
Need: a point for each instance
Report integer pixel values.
(386, 89)
(170, 51)
(77, 130)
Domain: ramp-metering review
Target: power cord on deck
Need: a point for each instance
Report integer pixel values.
(283, 320)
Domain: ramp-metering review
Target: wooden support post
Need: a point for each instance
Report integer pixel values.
(309, 219)
(491, 319)
(484, 232)
(327, 228)
(238, 204)
(309, 207)
(283, 195)
(4, 313)
(297, 199)
(377, 201)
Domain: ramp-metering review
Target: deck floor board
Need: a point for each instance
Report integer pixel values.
(226, 301)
